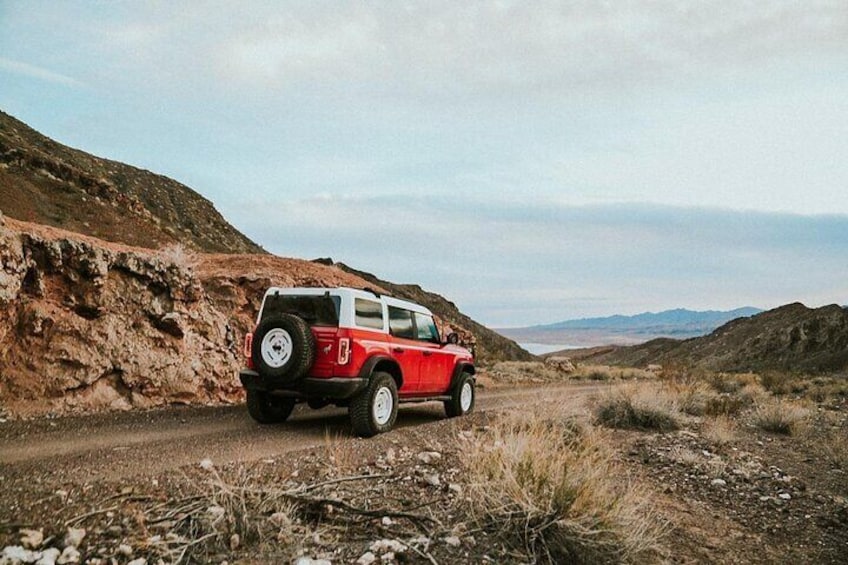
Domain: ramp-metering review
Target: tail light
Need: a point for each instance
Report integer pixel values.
(344, 351)
(248, 344)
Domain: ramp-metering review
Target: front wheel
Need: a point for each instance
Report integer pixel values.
(268, 409)
(374, 410)
(462, 398)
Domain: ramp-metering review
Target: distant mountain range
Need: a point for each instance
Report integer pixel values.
(792, 337)
(679, 323)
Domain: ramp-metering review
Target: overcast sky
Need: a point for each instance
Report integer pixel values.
(532, 161)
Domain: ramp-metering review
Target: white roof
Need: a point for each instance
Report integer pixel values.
(352, 292)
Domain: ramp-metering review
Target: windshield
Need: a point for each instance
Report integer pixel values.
(320, 310)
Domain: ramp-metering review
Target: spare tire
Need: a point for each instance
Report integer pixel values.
(283, 348)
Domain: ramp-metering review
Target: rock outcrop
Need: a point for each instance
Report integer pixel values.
(89, 325)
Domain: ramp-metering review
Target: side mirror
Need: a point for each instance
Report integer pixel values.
(453, 338)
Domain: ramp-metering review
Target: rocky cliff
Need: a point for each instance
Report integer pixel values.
(90, 325)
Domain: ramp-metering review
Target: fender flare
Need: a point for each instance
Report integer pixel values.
(368, 368)
(461, 367)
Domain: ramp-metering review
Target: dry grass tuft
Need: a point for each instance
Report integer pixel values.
(551, 488)
(642, 408)
(720, 430)
(781, 417)
(179, 256)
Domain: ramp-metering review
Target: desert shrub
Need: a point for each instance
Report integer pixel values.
(177, 255)
(780, 417)
(720, 430)
(606, 373)
(525, 371)
(724, 383)
(692, 397)
(635, 408)
(595, 373)
(725, 404)
(552, 489)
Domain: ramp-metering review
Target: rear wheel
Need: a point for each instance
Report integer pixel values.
(268, 409)
(374, 410)
(462, 398)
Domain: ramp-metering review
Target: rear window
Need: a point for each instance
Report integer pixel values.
(320, 310)
(369, 314)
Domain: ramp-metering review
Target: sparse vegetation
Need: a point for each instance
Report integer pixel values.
(551, 488)
(720, 430)
(780, 417)
(641, 409)
(177, 255)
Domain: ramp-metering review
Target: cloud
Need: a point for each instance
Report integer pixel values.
(33, 71)
(513, 264)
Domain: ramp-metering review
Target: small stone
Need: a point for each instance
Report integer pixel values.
(114, 531)
(69, 555)
(453, 541)
(139, 561)
(428, 457)
(433, 480)
(367, 558)
(455, 488)
(280, 519)
(49, 556)
(31, 539)
(61, 493)
(386, 545)
(388, 557)
(125, 549)
(390, 456)
(387, 521)
(719, 482)
(785, 496)
(16, 554)
(207, 465)
(74, 536)
(235, 541)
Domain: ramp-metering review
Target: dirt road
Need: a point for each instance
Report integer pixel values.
(112, 446)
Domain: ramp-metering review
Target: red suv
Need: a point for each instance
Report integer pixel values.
(351, 348)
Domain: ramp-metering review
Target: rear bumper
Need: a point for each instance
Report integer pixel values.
(336, 388)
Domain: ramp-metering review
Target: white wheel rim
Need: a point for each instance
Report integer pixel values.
(465, 397)
(276, 348)
(383, 404)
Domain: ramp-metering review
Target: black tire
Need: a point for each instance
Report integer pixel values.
(268, 409)
(363, 408)
(454, 406)
(291, 348)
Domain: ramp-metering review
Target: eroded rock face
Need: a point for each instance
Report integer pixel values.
(89, 328)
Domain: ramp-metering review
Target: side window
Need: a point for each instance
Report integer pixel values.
(426, 328)
(400, 323)
(369, 314)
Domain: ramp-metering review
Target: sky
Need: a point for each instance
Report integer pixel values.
(532, 161)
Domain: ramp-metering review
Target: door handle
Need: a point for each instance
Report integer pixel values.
(397, 350)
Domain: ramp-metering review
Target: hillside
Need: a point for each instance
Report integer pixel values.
(45, 182)
(91, 325)
(792, 337)
(489, 345)
(625, 330)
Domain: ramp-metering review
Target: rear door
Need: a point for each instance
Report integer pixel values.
(405, 348)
